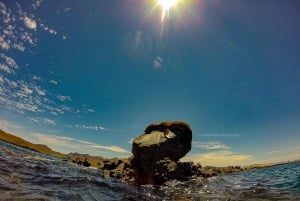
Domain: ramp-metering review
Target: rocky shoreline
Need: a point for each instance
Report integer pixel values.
(153, 161)
(122, 168)
(156, 157)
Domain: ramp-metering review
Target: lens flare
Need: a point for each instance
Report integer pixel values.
(166, 5)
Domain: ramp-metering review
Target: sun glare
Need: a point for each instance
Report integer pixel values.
(166, 5)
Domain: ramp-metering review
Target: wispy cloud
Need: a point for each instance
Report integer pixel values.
(95, 128)
(36, 78)
(235, 47)
(8, 126)
(219, 135)
(70, 109)
(67, 144)
(87, 109)
(18, 32)
(7, 64)
(5, 68)
(274, 151)
(221, 158)
(53, 82)
(23, 96)
(64, 98)
(218, 154)
(90, 110)
(36, 4)
(48, 29)
(210, 145)
(41, 120)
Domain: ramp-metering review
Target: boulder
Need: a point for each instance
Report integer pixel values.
(156, 152)
(171, 139)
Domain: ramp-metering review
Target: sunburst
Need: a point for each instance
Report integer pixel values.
(166, 6)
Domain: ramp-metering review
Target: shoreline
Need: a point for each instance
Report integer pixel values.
(122, 168)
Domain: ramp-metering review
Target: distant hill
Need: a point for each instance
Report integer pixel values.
(6, 137)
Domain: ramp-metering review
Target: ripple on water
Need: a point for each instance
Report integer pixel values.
(27, 175)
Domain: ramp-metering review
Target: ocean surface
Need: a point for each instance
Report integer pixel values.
(28, 175)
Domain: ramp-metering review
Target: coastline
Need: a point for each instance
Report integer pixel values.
(15, 140)
(122, 168)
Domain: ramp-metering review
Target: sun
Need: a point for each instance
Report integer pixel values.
(167, 4)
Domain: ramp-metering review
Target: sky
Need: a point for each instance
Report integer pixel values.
(89, 76)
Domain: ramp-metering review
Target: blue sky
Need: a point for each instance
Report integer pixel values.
(89, 76)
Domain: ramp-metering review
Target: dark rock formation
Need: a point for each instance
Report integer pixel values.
(156, 152)
(160, 140)
(156, 155)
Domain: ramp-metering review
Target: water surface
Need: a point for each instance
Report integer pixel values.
(28, 175)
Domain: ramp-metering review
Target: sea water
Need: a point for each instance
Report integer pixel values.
(28, 175)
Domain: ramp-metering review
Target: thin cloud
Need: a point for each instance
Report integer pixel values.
(25, 95)
(67, 9)
(90, 110)
(48, 29)
(39, 91)
(66, 108)
(53, 82)
(7, 64)
(274, 151)
(36, 78)
(21, 96)
(7, 126)
(218, 154)
(210, 145)
(67, 144)
(219, 135)
(110, 148)
(6, 69)
(36, 4)
(95, 128)
(63, 98)
(220, 158)
(41, 120)
(235, 47)
(87, 109)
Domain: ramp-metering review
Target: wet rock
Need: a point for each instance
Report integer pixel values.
(156, 152)
(171, 139)
(155, 159)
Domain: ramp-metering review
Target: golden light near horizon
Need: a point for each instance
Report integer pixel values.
(166, 6)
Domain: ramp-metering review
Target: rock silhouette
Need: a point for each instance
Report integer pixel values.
(156, 152)
(171, 139)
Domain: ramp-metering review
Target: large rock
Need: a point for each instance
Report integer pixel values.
(170, 139)
(156, 152)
